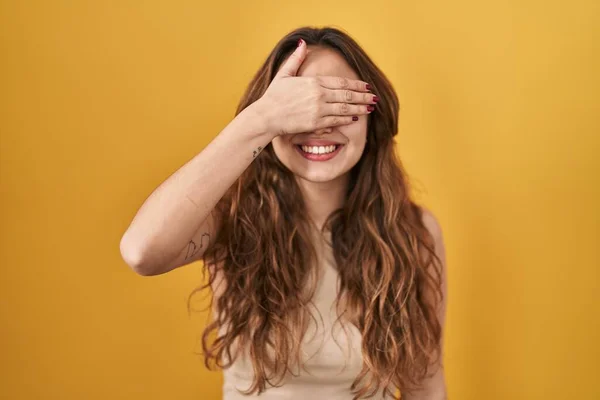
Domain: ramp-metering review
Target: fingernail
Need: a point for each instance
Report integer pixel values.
(355, 118)
(369, 87)
(300, 42)
(370, 108)
(375, 99)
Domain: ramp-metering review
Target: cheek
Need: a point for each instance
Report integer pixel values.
(280, 146)
(356, 133)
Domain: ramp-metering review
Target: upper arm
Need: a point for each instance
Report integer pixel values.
(434, 387)
(433, 226)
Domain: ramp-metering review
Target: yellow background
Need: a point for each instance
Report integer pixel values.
(102, 100)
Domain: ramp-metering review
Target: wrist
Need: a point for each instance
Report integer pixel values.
(258, 117)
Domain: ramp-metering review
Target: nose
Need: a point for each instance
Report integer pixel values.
(321, 131)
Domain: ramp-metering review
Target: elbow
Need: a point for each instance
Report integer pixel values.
(132, 255)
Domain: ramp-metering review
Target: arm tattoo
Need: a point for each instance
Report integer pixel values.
(256, 152)
(194, 248)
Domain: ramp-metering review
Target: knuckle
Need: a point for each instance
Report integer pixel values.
(348, 95)
(316, 91)
(335, 120)
(319, 109)
(343, 82)
(316, 83)
(344, 108)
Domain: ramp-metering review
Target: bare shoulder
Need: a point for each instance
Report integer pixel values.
(432, 224)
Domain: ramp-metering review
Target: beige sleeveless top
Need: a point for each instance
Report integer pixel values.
(329, 367)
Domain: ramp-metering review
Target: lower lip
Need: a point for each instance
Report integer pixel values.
(319, 157)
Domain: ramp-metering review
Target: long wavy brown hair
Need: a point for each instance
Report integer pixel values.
(385, 255)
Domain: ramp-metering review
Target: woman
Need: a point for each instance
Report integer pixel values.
(325, 276)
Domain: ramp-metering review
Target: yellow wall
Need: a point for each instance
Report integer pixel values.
(499, 132)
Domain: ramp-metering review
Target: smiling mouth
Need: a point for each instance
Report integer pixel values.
(319, 153)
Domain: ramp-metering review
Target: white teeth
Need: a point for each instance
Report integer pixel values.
(318, 149)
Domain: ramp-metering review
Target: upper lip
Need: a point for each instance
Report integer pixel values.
(317, 142)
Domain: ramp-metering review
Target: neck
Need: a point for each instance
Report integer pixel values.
(322, 198)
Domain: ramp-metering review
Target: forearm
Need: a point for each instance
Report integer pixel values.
(224, 159)
(175, 210)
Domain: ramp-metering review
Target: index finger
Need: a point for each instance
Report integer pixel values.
(341, 82)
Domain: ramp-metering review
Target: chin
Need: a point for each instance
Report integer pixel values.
(317, 176)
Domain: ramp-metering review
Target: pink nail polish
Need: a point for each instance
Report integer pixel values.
(300, 42)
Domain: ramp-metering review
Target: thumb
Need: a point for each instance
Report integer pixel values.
(292, 64)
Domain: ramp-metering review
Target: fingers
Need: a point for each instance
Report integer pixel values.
(343, 109)
(292, 64)
(335, 120)
(340, 82)
(349, 96)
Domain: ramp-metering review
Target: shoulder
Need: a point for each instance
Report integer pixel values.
(432, 224)
(436, 383)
